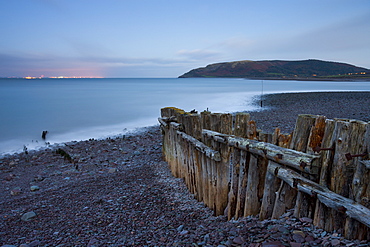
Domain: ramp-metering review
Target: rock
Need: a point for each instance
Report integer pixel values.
(39, 178)
(16, 191)
(8, 245)
(238, 240)
(28, 216)
(9, 177)
(34, 188)
(299, 236)
(13, 163)
(112, 170)
(35, 243)
(335, 242)
(184, 232)
(293, 244)
(306, 220)
(273, 244)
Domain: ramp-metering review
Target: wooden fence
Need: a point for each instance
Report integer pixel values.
(321, 170)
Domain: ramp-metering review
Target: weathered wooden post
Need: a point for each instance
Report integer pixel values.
(357, 151)
(269, 194)
(305, 204)
(255, 184)
(234, 183)
(338, 172)
(241, 127)
(223, 167)
(239, 169)
(361, 185)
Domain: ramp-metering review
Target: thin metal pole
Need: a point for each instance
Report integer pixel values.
(262, 94)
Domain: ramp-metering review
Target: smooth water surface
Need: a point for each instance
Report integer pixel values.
(78, 109)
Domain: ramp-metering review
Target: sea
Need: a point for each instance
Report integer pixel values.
(81, 109)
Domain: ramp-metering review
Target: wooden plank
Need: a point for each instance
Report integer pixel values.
(223, 167)
(205, 179)
(286, 196)
(252, 197)
(252, 130)
(305, 205)
(205, 119)
(245, 161)
(285, 199)
(234, 184)
(198, 175)
(294, 159)
(321, 214)
(302, 132)
(241, 124)
(272, 183)
(358, 129)
(210, 153)
(339, 203)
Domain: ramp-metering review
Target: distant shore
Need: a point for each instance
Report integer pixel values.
(357, 79)
(282, 109)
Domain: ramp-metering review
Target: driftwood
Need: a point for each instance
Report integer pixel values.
(210, 153)
(295, 159)
(329, 198)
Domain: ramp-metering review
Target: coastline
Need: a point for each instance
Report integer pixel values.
(281, 110)
(118, 192)
(353, 79)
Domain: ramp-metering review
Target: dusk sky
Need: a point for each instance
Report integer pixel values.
(162, 38)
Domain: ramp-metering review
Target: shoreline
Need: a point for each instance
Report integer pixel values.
(282, 109)
(118, 192)
(39, 145)
(310, 79)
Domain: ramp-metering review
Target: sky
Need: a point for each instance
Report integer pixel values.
(166, 38)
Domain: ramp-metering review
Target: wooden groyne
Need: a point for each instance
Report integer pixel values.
(321, 170)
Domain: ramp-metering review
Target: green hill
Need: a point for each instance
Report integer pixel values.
(280, 69)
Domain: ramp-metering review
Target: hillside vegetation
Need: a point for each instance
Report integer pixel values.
(280, 69)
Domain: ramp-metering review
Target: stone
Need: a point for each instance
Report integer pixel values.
(9, 177)
(273, 244)
(306, 220)
(13, 163)
(35, 243)
(39, 178)
(184, 232)
(335, 242)
(293, 244)
(238, 240)
(112, 170)
(34, 188)
(28, 216)
(16, 191)
(180, 228)
(298, 236)
(93, 243)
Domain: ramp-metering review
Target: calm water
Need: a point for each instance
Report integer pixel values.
(78, 109)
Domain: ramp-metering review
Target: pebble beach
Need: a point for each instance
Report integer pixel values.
(119, 191)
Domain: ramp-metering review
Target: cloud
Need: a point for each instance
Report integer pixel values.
(197, 54)
(237, 43)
